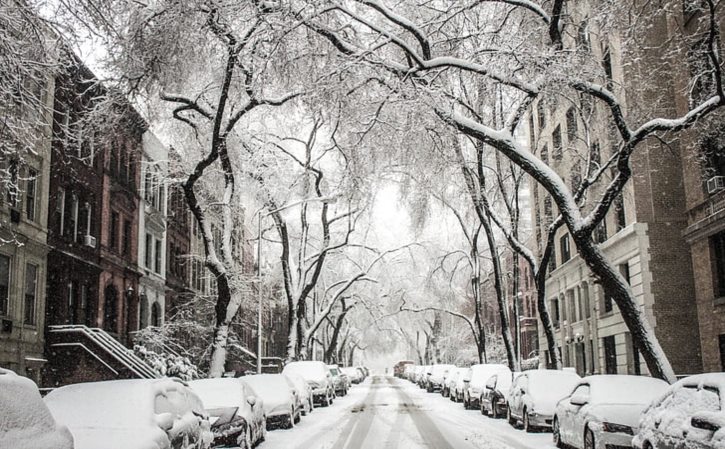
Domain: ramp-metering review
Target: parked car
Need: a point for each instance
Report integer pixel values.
(475, 380)
(437, 374)
(281, 404)
(408, 372)
(690, 414)
(449, 380)
(493, 399)
(460, 385)
(304, 392)
(534, 395)
(132, 414)
(353, 373)
(25, 421)
(235, 412)
(603, 411)
(423, 377)
(317, 376)
(338, 382)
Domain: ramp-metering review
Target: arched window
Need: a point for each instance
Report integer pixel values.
(155, 314)
(110, 309)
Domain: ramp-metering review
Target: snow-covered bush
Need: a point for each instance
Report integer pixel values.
(168, 364)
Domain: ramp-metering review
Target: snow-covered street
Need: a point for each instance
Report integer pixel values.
(388, 413)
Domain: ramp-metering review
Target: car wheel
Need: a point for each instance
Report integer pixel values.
(510, 418)
(248, 440)
(647, 445)
(588, 439)
(263, 430)
(483, 408)
(527, 425)
(494, 411)
(556, 433)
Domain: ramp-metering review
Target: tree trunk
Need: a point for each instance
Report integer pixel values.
(643, 335)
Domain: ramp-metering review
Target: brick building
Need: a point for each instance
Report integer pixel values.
(642, 232)
(703, 149)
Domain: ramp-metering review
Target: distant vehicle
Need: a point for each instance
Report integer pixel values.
(353, 374)
(281, 404)
(304, 392)
(132, 414)
(317, 376)
(339, 383)
(399, 367)
(493, 399)
(475, 380)
(458, 388)
(534, 395)
(603, 411)
(235, 412)
(435, 379)
(690, 414)
(25, 421)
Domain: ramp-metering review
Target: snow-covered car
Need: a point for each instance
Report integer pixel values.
(533, 396)
(437, 374)
(493, 399)
(304, 392)
(422, 378)
(132, 414)
(338, 382)
(235, 413)
(449, 380)
(281, 405)
(460, 385)
(475, 380)
(25, 421)
(353, 373)
(603, 411)
(690, 414)
(317, 376)
(408, 371)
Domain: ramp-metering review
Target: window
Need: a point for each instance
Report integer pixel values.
(157, 256)
(84, 306)
(541, 114)
(565, 248)
(636, 368)
(552, 261)
(555, 317)
(610, 355)
(60, 209)
(721, 341)
(717, 244)
(148, 184)
(30, 194)
(620, 213)
(4, 285)
(73, 228)
(126, 237)
(624, 271)
(13, 189)
(600, 232)
(31, 283)
(72, 306)
(86, 219)
(545, 155)
(147, 251)
(113, 232)
(557, 151)
(571, 126)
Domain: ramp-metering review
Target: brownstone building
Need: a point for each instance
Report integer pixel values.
(703, 148)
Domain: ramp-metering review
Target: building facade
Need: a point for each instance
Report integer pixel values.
(152, 219)
(641, 234)
(23, 226)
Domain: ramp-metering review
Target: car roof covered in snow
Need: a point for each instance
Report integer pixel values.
(25, 421)
(220, 392)
(310, 370)
(624, 389)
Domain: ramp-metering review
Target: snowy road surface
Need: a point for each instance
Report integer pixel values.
(388, 413)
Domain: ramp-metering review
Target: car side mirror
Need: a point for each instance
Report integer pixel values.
(704, 422)
(165, 421)
(252, 400)
(579, 400)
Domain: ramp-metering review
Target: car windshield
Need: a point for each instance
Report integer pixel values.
(552, 384)
(626, 389)
(334, 372)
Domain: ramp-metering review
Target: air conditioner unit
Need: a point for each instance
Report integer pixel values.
(89, 240)
(715, 184)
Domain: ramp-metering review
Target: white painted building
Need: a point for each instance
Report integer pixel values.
(152, 231)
